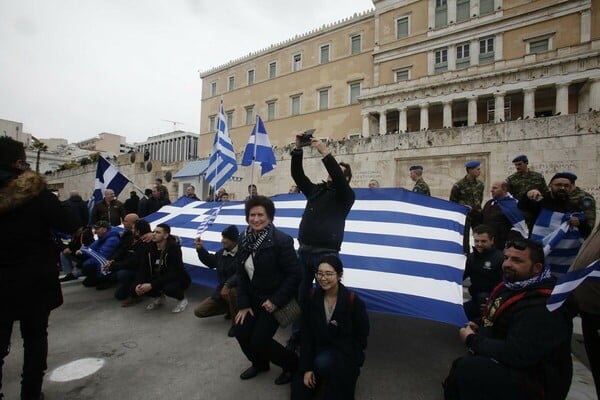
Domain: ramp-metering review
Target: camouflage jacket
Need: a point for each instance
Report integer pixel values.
(421, 187)
(468, 193)
(519, 184)
(586, 203)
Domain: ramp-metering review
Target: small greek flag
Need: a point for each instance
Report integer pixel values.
(259, 149)
(569, 282)
(208, 220)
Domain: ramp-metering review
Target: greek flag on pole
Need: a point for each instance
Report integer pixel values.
(107, 177)
(561, 241)
(402, 251)
(209, 219)
(222, 163)
(259, 149)
(100, 259)
(508, 205)
(569, 282)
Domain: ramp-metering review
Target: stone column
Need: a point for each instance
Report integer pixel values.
(472, 111)
(451, 57)
(594, 102)
(383, 122)
(402, 124)
(474, 50)
(529, 103)
(424, 116)
(451, 4)
(562, 98)
(586, 26)
(499, 107)
(365, 125)
(447, 114)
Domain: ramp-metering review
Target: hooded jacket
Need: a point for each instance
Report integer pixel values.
(161, 267)
(28, 266)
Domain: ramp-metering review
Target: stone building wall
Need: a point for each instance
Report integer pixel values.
(553, 144)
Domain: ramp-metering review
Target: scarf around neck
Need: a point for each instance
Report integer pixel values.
(520, 285)
(252, 240)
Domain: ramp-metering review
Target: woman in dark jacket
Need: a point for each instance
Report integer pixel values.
(162, 272)
(334, 334)
(29, 286)
(268, 277)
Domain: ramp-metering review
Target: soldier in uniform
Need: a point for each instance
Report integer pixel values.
(584, 201)
(416, 174)
(525, 179)
(469, 192)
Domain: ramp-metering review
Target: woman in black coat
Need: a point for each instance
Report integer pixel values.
(29, 286)
(335, 326)
(268, 277)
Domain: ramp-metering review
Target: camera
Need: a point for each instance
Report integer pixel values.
(306, 137)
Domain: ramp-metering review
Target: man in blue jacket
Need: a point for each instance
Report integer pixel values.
(105, 245)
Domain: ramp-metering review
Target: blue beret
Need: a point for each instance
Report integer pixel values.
(414, 167)
(564, 175)
(522, 158)
(473, 164)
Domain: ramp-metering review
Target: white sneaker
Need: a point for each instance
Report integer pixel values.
(157, 302)
(181, 305)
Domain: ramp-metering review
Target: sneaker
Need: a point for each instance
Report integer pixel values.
(68, 277)
(131, 301)
(181, 305)
(157, 302)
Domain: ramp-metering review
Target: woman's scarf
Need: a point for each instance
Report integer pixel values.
(252, 240)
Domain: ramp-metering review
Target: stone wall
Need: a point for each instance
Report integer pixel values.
(553, 144)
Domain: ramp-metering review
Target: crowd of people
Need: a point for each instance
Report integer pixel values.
(516, 347)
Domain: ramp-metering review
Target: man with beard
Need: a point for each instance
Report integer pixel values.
(521, 350)
(553, 212)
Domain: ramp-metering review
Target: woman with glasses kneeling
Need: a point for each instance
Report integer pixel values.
(335, 326)
(268, 277)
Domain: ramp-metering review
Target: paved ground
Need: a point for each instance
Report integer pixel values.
(159, 355)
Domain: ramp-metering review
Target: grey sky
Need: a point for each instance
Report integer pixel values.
(75, 68)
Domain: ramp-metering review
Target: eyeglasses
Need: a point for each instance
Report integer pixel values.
(328, 275)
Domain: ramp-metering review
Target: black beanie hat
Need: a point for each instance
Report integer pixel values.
(231, 233)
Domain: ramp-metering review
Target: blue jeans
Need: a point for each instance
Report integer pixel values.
(66, 262)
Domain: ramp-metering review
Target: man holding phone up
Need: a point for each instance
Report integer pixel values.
(327, 205)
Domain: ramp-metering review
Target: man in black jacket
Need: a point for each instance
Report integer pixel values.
(29, 286)
(224, 297)
(78, 207)
(327, 205)
(521, 350)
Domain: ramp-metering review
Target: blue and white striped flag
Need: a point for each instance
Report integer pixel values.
(259, 149)
(222, 163)
(508, 205)
(209, 219)
(402, 251)
(569, 282)
(561, 241)
(107, 177)
(100, 259)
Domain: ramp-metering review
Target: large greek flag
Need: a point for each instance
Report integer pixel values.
(222, 163)
(402, 251)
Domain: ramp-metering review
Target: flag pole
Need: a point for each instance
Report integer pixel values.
(253, 152)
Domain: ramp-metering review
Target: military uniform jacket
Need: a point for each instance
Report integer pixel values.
(421, 187)
(467, 192)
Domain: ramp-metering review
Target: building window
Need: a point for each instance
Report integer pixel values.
(353, 92)
(538, 45)
(355, 44)
(249, 115)
(272, 69)
(324, 57)
(402, 27)
(271, 110)
(296, 62)
(323, 99)
(250, 76)
(231, 83)
(486, 6)
(295, 102)
(441, 60)
(463, 58)
(213, 88)
(463, 9)
(402, 75)
(486, 50)
(211, 123)
(441, 13)
(229, 119)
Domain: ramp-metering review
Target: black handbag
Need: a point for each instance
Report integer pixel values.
(287, 314)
